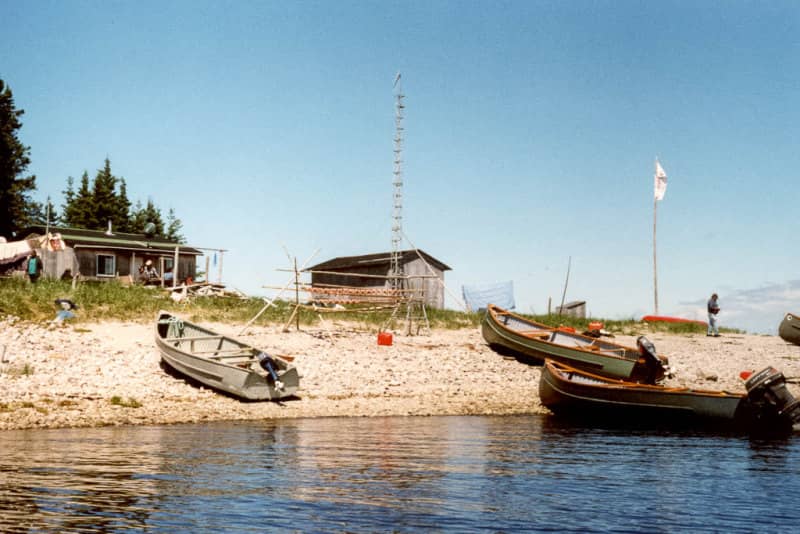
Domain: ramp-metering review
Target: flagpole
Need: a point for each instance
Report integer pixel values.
(655, 268)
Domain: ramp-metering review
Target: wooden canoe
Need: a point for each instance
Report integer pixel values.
(223, 363)
(789, 329)
(568, 391)
(509, 333)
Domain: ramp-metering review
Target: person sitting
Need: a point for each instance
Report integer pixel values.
(148, 273)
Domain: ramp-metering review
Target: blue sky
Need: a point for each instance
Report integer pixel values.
(531, 132)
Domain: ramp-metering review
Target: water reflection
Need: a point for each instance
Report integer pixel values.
(401, 474)
(72, 480)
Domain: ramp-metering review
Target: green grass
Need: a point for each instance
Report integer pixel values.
(129, 403)
(100, 301)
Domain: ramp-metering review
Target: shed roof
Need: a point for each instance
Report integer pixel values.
(119, 240)
(368, 260)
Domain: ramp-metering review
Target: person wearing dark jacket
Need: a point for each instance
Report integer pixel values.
(713, 310)
(34, 267)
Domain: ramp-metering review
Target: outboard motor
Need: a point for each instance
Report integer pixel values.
(268, 364)
(767, 390)
(657, 367)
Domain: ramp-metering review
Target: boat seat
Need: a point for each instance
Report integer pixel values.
(230, 355)
(544, 336)
(192, 338)
(234, 360)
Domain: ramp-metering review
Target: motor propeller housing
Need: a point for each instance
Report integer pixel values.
(767, 389)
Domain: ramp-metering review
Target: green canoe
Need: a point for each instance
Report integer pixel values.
(509, 333)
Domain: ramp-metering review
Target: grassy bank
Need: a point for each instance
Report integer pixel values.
(112, 301)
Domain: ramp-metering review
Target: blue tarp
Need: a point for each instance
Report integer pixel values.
(478, 297)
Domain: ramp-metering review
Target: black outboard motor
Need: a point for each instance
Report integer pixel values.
(767, 390)
(269, 365)
(657, 368)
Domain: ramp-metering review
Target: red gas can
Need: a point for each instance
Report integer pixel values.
(384, 338)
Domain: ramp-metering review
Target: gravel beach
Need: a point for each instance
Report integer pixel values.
(86, 375)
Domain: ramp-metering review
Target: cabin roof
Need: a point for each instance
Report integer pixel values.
(574, 304)
(121, 240)
(370, 260)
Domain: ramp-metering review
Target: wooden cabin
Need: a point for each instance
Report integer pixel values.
(576, 308)
(105, 255)
(414, 264)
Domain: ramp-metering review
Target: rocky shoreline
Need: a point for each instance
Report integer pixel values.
(85, 375)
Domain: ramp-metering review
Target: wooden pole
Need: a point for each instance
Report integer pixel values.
(219, 274)
(655, 268)
(564, 295)
(175, 268)
(208, 265)
(296, 293)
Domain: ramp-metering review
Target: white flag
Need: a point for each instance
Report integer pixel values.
(660, 182)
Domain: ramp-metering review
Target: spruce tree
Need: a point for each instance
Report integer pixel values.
(174, 227)
(45, 213)
(153, 215)
(82, 208)
(122, 219)
(104, 197)
(148, 214)
(17, 210)
(137, 220)
(69, 199)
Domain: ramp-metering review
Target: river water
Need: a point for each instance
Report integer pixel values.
(398, 474)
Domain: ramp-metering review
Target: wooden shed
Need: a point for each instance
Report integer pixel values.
(414, 264)
(104, 256)
(576, 308)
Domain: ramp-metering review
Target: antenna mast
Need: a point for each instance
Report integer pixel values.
(396, 271)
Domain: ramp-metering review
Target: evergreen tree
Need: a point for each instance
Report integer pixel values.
(149, 214)
(42, 214)
(52, 214)
(104, 198)
(95, 203)
(137, 220)
(68, 207)
(122, 220)
(17, 210)
(174, 227)
(80, 212)
(153, 215)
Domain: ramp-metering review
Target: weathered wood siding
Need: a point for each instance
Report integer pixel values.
(432, 287)
(126, 264)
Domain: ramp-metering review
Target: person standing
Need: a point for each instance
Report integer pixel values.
(34, 267)
(713, 310)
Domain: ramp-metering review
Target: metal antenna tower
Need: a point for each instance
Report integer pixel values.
(396, 270)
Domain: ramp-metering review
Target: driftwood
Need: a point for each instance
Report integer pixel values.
(204, 290)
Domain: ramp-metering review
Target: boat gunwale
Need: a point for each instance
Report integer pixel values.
(217, 374)
(615, 384)
(164, 342)
(491, 311)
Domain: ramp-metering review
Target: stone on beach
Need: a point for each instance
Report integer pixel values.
(67, 376)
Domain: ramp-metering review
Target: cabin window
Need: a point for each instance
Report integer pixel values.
(106, 265)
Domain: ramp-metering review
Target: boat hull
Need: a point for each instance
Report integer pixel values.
(789, 329)
(577, 394)
(508, 333)
(221, 362)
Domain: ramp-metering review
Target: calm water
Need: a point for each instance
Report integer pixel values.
(500, 474)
